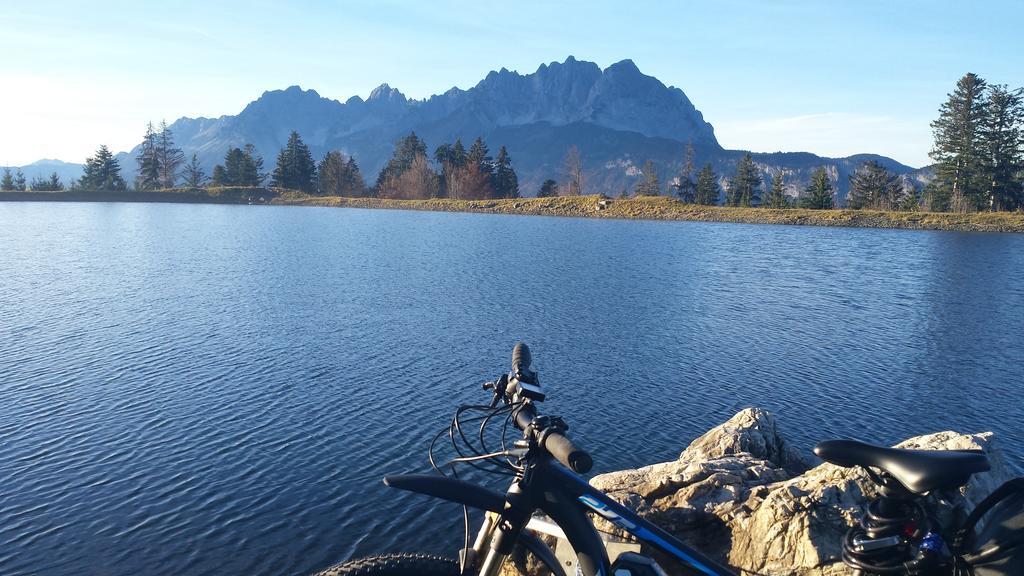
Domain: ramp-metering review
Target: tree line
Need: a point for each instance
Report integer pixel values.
(978, 153)
(979, 148)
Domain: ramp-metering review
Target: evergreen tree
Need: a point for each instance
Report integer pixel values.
(685, 186)
(251, 167)
(19, 181)
(295, 168)
(51, 184)
(337, 176)
(230, 172)
(649, 184)
(195, 177)
(818, 195)
(170, 157)
(958, 150)
(7, 182)
(1003, 144)
(874, 187)
(745, 186)
(776, 197)
(220, 176)
(481, 155)
(506, 183)
(909, 201)
(148, 161)
(548, 189)
(102, 172)
(406, 150)
(242, 167)
(935, 197)
(707, 191)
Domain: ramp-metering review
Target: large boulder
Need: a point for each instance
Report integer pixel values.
(744, 495)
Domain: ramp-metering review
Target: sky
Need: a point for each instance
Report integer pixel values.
(833, 78)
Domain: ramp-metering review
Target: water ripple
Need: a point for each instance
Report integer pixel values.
(218, 389)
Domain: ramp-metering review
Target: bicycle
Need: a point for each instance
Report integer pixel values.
(897, 535)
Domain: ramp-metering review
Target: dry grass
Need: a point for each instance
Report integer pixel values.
(663, 208)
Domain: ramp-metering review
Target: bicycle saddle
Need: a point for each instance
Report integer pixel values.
(919, 471)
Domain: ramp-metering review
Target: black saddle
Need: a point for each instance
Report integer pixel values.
(919, 471)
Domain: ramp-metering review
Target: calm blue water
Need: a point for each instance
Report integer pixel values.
(217, 389)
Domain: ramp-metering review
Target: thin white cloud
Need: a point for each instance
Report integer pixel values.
(833, 134)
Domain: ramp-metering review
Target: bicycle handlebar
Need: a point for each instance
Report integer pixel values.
(549, 438)
(521, 358)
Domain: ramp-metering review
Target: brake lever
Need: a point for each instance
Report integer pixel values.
(498, 386)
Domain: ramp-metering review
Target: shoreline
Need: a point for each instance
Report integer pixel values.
(648, 208)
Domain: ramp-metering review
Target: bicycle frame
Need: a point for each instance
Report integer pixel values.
(563, 496)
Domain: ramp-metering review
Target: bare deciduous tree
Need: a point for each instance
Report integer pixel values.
(574, 171)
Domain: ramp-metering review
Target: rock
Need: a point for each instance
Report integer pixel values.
(752, 431)
(742, 494)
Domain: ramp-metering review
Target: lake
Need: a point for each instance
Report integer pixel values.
(194, 389)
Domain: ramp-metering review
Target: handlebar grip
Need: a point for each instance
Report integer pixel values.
(577, 459)
(521, 359)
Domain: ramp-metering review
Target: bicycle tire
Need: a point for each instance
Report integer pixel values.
(395, 565)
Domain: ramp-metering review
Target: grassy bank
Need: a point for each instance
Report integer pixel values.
(657, 208)
(662, 208)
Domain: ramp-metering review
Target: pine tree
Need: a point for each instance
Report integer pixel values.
(935, 197)
(1002, 135)
(337, 176)
(406, 150)
(102, 172)
(230, 172)
(170, 157)
(958, 149)
(685, 185)
(295, 168)
(707, 191)
(818, 195)
(354, 178)
(195, 177)
(51, 184)
(776, 197)
(909, 201)
(148, 161)
(480, 172)
(649, 184)
(745, 186)
(19, 181)
(548, 189)
(7, 182)
(251, 167)
(506, 183)
(874, 187)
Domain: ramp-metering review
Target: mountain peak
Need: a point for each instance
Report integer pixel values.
(386, 93)
(626, 65)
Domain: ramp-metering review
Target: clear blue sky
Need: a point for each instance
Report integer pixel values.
(833, 78)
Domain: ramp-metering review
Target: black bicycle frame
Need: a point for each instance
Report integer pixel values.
(565, 497)
(570, 491)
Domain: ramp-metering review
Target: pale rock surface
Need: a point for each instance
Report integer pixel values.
(744, 495)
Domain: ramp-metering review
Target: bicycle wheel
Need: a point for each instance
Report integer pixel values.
(396, 565)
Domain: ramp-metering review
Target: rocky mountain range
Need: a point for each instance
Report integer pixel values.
(618, 117)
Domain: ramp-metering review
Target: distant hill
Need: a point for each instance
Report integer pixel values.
(618, 117)
(67, 171)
